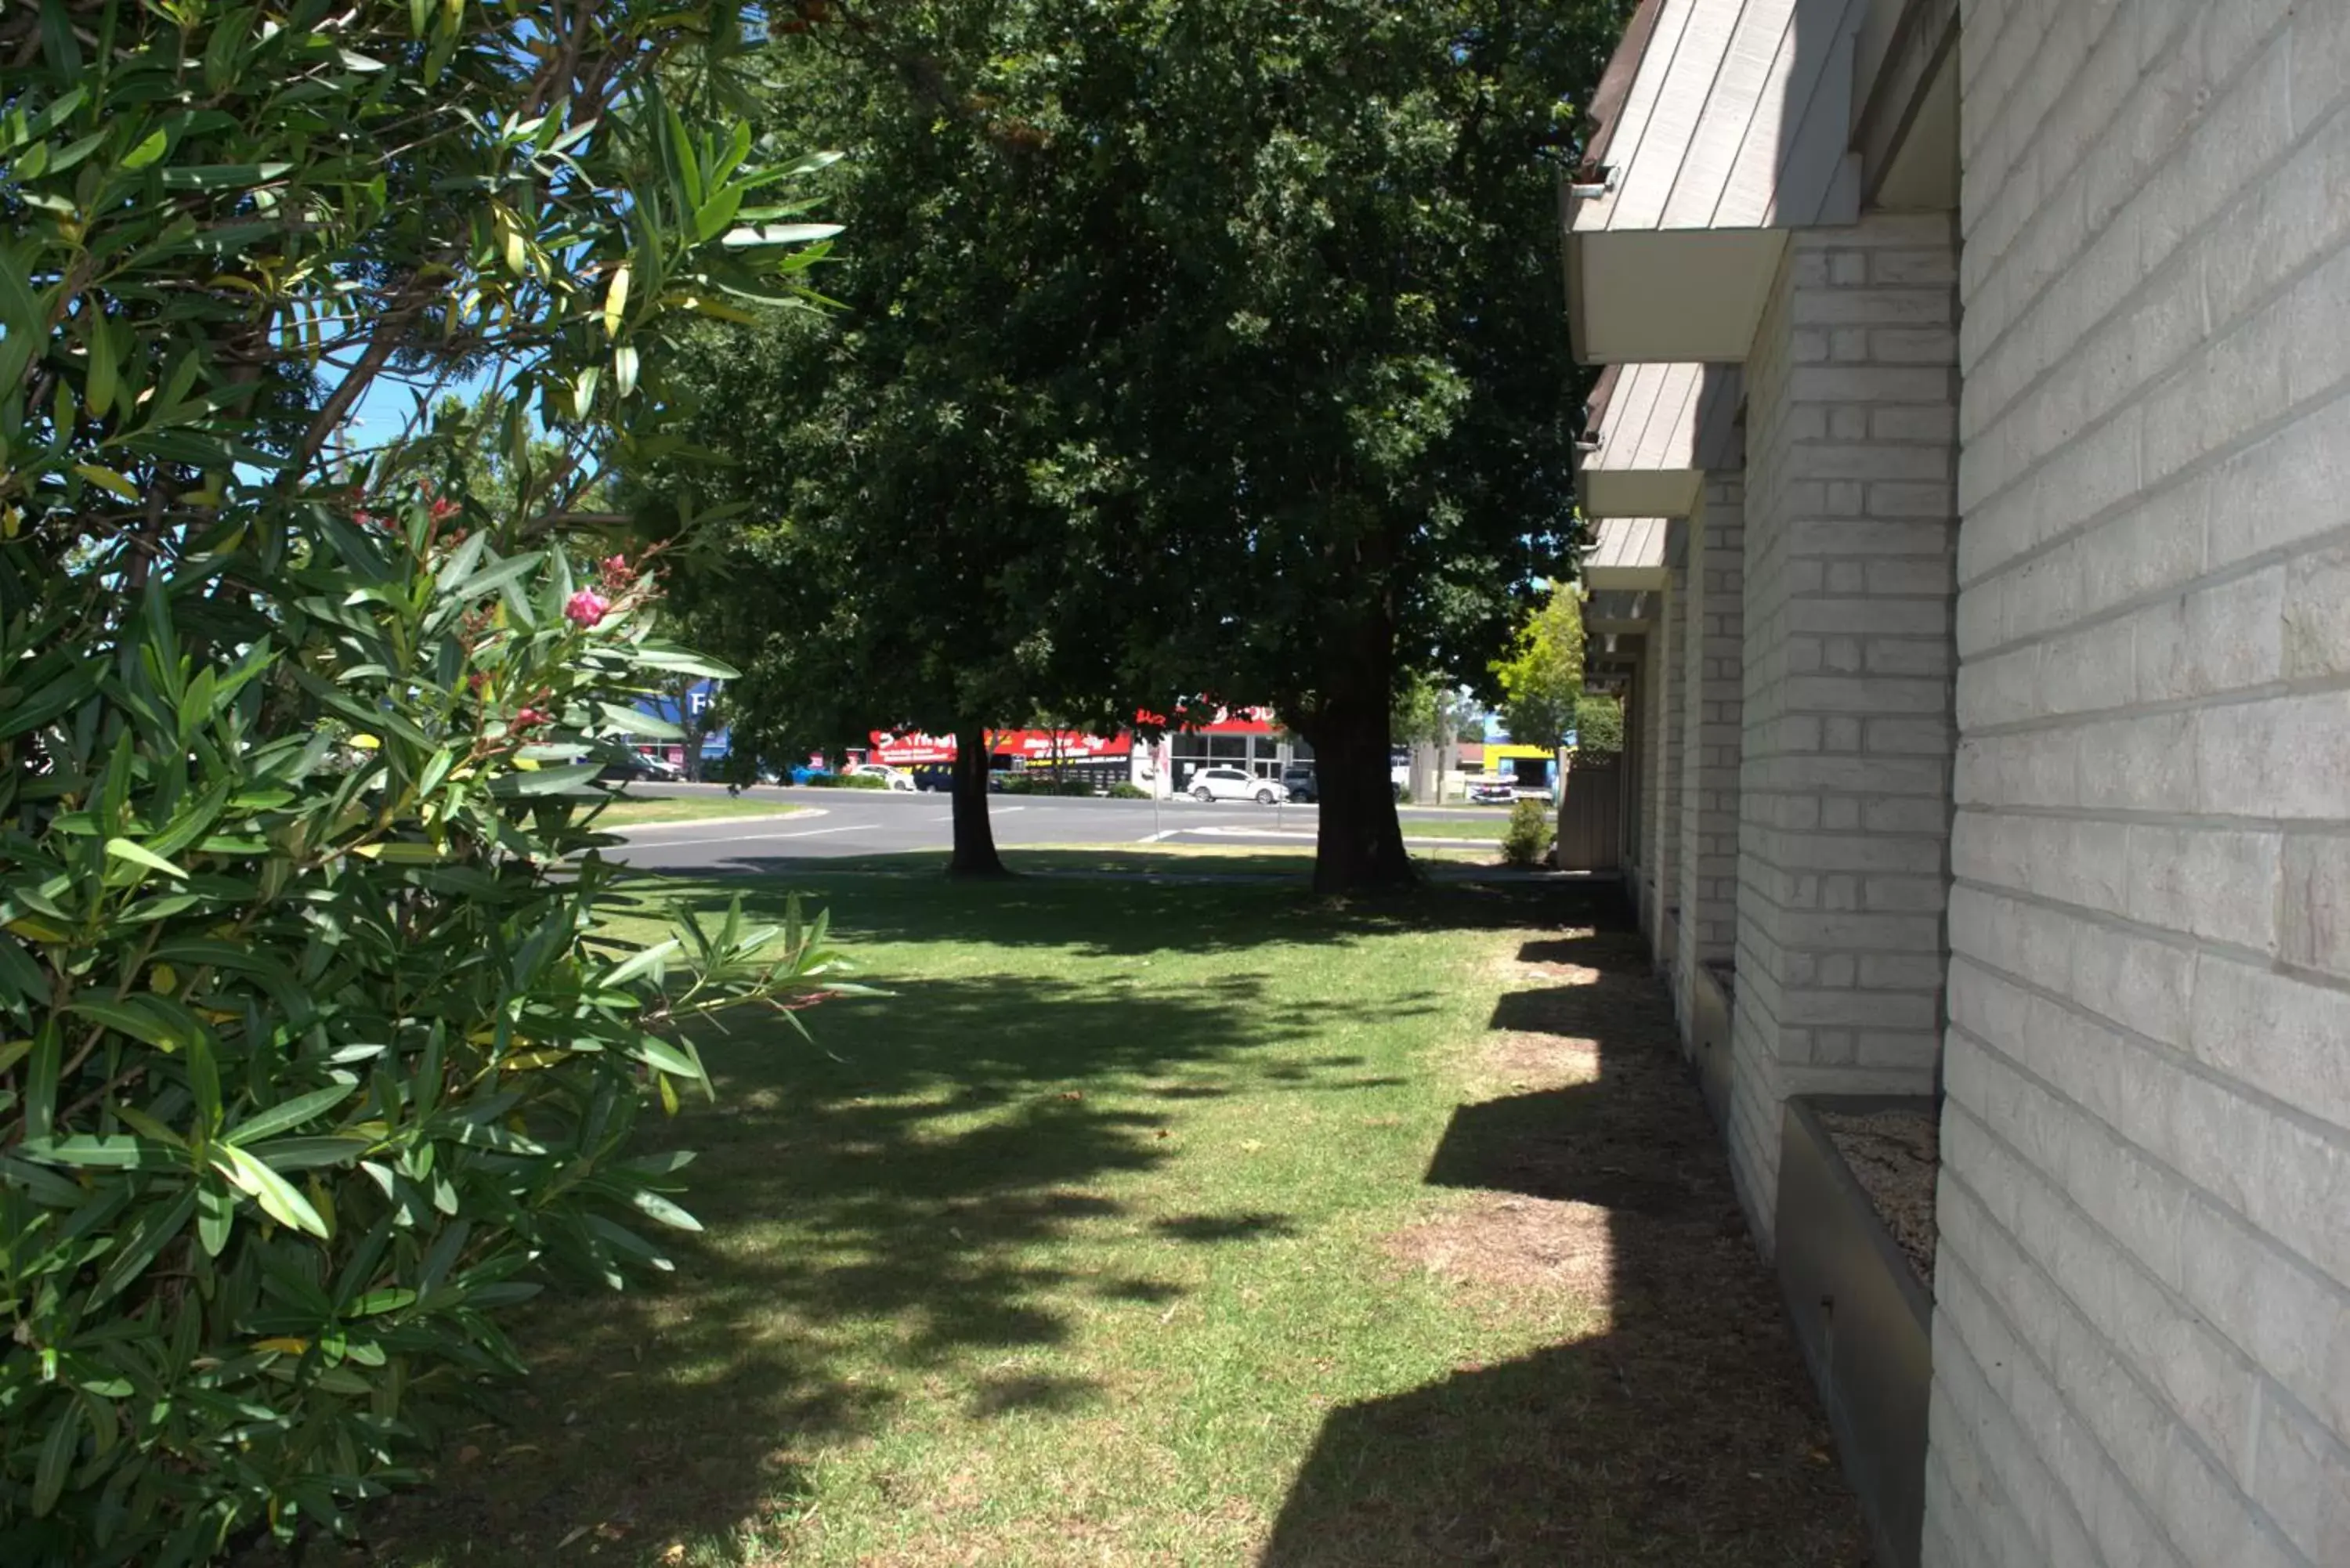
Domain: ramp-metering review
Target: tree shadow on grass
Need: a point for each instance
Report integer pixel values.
(1127, 919)
(1687, 1433)
(876, 1209)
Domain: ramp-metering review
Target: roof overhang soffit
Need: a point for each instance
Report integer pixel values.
(1725, 123)
(1651, 435)
(1627, 555)
(1906, 133)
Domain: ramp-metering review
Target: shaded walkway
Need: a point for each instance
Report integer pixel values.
(1687, 1432)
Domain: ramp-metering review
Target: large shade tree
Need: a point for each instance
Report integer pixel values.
(875, 524)
(1198, 351)
(1349, 379)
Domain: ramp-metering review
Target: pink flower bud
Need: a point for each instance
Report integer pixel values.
(586, 607)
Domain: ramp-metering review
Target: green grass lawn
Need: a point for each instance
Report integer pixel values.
(635, 811)
(1480, 822)
(1172, 862)
(1165, 1223)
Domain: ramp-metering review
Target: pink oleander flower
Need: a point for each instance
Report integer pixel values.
(586, 607)
(616, 572)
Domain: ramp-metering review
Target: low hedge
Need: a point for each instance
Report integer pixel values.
(1073, 788)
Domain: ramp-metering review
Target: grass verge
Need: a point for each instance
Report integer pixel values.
(1486, 822)
(636, 811)
(1176, 1223)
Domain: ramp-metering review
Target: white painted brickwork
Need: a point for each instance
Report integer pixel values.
(1846, 762)
(1666, 663)
(1639, 735)
(1711, 660)
(2142, 1336)
(1651, 718)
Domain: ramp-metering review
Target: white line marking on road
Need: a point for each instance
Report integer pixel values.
(1163, 837)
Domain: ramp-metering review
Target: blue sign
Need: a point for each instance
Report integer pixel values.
(698, 700)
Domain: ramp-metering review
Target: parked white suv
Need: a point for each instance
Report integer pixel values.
(1235, 783)
(895, 778)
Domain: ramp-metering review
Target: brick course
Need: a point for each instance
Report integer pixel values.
(1667, 662)
(1847, 736)
(2142, 1342)
(1711, 658)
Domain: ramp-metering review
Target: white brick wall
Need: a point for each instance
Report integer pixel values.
(1639, 748)
(2142, 1337)
(1712, 656)
(1847, 744)
(1667, 661)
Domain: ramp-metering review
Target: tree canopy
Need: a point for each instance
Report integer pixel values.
(883, 541)
(1191, 349)
(1542, 679)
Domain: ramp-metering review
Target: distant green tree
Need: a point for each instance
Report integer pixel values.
(1599, 723)
(1542, 680)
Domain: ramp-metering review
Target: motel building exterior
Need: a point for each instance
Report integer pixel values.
(1972, 478)
(1251, 739)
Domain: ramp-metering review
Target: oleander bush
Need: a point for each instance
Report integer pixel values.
(317, 1053)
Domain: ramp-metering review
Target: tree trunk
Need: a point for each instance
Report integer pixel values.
(690, 726)
(974, 836)
(1359, 846)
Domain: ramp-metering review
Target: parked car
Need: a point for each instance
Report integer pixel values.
(1236, 783)
(1501, 789)
(1299, 782)
(632, 766)
(895, 778)
(804, 771)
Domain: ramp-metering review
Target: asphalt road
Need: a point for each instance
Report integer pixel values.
(877, 822)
